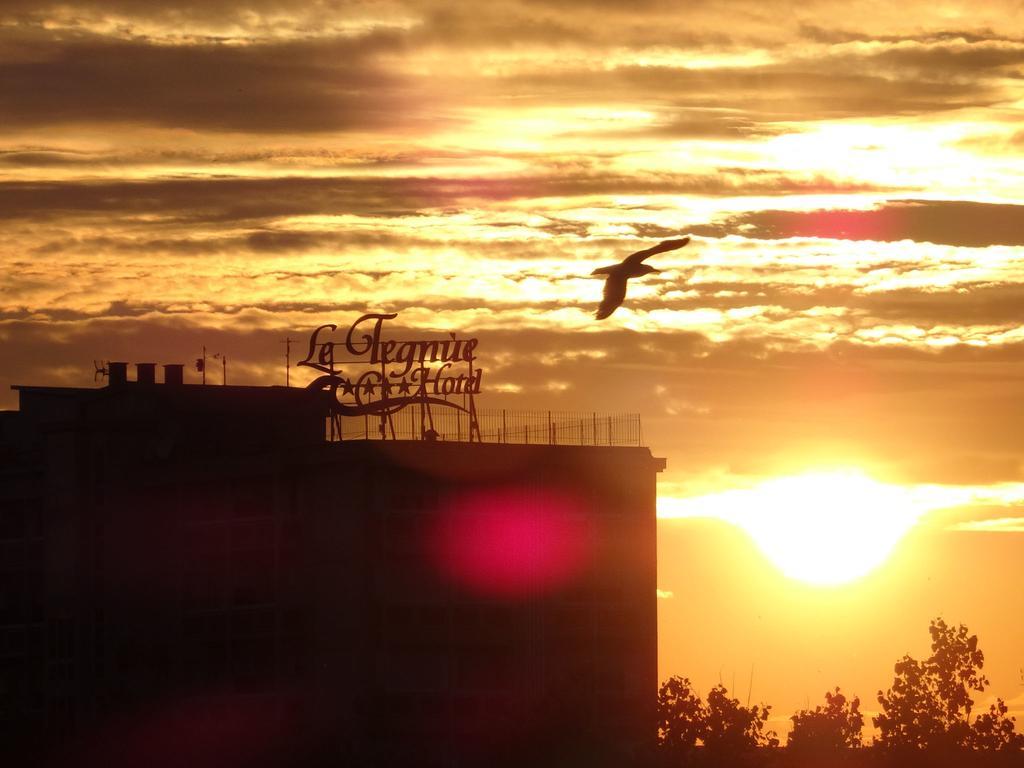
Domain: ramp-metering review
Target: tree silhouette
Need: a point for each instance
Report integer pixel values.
(727, 730)
(929, 704)
(732, 729)
(994, 730)
(681, 716)
(829, 729)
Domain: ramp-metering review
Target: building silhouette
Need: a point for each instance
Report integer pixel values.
(197, 575)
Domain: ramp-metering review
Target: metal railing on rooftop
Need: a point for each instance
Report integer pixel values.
(495, 426)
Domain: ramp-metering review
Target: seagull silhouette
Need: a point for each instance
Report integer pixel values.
(631, 266)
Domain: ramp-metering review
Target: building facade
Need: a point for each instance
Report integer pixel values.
(197, 575)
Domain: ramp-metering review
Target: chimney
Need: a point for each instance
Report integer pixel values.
(145, 373)
(174, 374)
(117, 374)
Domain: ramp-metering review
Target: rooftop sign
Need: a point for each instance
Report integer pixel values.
(369, 374)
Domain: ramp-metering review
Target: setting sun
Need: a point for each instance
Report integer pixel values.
(824, 528)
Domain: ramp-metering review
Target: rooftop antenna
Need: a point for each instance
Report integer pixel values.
(101, 369)
(201, 365)
(287, 360)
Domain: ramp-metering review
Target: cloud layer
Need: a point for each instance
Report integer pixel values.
(215, 172)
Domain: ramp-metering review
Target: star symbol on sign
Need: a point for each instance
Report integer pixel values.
(368, 387)
(346, 387)
(385, 389)
(403, 388)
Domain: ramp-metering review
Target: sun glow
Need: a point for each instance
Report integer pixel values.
(824, 528)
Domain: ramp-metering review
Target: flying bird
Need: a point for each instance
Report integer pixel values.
(631, 266)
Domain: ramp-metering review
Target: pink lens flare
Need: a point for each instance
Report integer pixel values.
(210, 729)
(512, 542)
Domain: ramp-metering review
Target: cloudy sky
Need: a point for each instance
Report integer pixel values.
(215, 173)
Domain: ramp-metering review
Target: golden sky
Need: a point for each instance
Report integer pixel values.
(224, 173)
